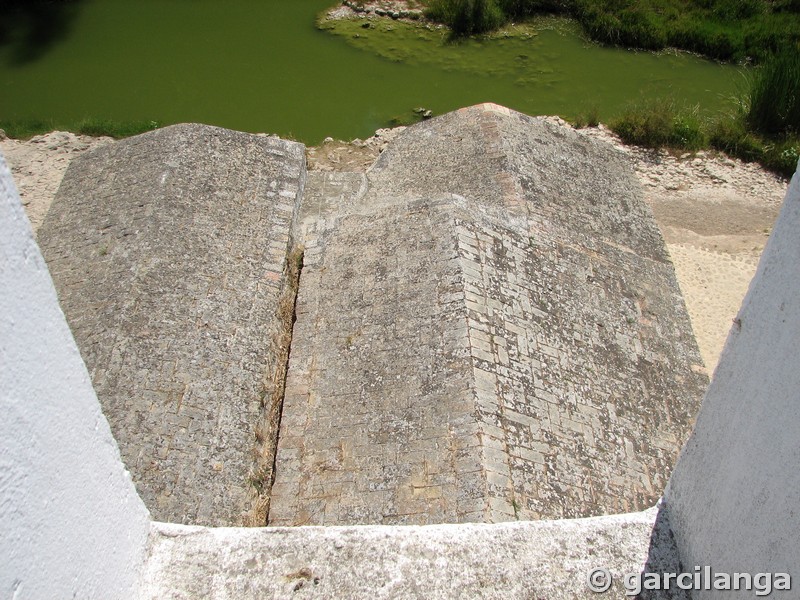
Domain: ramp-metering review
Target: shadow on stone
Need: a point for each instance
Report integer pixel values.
(662, 558)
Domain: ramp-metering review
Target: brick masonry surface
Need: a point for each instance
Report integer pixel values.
(488, 329)
(168, 252)
(378, 422)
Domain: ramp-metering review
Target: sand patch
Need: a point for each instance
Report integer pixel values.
(713, 286)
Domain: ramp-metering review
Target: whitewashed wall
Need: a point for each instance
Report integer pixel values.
(734, 496)
(71, 524)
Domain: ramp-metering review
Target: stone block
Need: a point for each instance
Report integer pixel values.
(551, 238)
(168, 250)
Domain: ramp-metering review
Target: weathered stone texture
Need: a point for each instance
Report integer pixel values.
(583, 394)
(377, 421)
(490, 329)
(487, 327)
(168, 251)
(525, 561)
(525, 166)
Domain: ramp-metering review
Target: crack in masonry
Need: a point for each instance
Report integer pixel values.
(267, 432)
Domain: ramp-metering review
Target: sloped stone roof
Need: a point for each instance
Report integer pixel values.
(488, 330)
(168, 253)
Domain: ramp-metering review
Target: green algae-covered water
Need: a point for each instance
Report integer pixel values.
(263, 66)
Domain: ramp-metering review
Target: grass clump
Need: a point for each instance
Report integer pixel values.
(587, 118)
(115, 129)
(775, 95)
(729, 30)
(764, 129)
(665, 125)
(24, 129)
(782, 156)
(519, 9)
(730, 135)
(779, 155)
(661, 123)
(467, 17)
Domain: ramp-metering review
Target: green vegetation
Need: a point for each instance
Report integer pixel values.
(775, 95)
(24, 129)
(467, 17)
(661, 123)
(541, 66)
(680, 129)
(587, 118)
(729, 30)
(115, 129)
(765, 128)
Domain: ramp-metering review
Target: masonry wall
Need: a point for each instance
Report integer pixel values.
(516, 262)
(71, 524)
(578, 382)
(732, 499)
(586, 368)
(168, 251)
(377, 422)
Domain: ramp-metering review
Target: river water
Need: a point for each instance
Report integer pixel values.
(263, 66)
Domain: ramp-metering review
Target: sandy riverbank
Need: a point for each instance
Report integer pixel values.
(715, 213)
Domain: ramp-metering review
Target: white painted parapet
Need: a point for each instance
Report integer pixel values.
(734, 496)
(517, 560)
(71, 524)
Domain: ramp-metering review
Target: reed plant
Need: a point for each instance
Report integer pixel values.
(774, 102)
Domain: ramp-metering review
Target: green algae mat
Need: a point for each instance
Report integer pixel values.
(264, 66)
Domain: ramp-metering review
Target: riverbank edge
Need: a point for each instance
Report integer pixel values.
(398, 10)
(715, 212)
(747, 38)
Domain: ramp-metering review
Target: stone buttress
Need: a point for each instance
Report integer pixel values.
(168, 251)
(488, 328)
